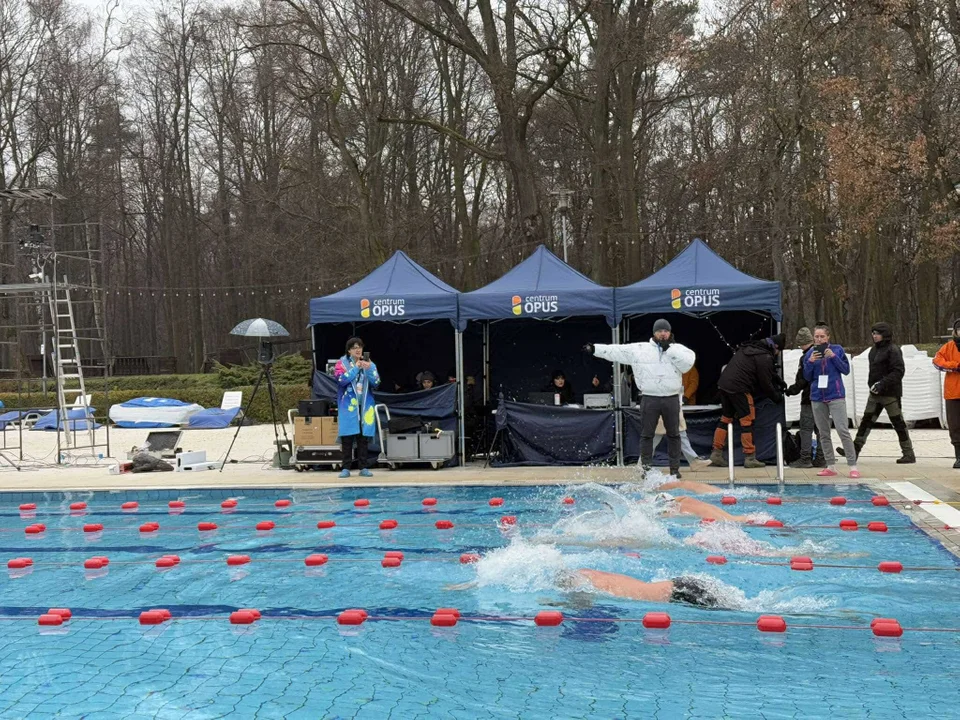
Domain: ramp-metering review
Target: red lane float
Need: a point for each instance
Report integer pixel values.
(568, 500)
(838, 500)
(394, 553)
(93, 527)
(228, 504)
(429, 502)
(361, 502)
(391, 562)
(801, 563)
(326, 524)
(176, 504)
(315, 560)
(890, 566)
(388, 524)
(149, 527)
(717, 559)
(848, 524)
(548, 618)
(163, 611)
(879, 500)
(62, 612)
(35, 529)
(78, 506)
(773, 524)
(351, 617)
(95, 563)
(26, 507)
(151, 617)
(774, 501)
(496, 502)
(658, 620)
(771, 623)
(728, 500)
(242, 617)
(443, 525)
(887, 628)
(19, 563)
(282, 503)
(49, 619)
(130, 505)
(877, 526)
(264, 525)
(440, 619)
(253, 611)
(206, 526)
(167, 561)
(508, 520)
(238, 559)
(468, 558)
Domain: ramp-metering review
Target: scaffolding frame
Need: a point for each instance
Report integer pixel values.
(31, 320)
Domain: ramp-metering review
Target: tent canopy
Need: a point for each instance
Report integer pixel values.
(542, 286)
(699, 282)
(397, 291)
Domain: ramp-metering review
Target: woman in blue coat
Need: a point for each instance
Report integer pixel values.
(824, 366)
(357, 378)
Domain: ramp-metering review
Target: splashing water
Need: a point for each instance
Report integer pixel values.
(730, 538)
(619, 519)
(521, 567)
(781, 600)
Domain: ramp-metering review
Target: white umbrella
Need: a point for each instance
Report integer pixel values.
(260, 328)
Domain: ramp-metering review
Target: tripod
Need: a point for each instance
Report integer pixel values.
(264, 374)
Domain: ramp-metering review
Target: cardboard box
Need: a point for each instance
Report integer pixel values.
(307, 431)
(329, 430)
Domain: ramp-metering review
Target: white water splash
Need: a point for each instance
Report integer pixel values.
(521, 567)
(781, 600)
(730, 538)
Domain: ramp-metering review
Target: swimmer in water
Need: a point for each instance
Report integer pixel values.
(683, 589)
(683, 505)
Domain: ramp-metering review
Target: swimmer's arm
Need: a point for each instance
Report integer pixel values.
(690, 486)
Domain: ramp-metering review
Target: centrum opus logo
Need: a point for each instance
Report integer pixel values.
(382, 307)
(535, 304)
(695, 298)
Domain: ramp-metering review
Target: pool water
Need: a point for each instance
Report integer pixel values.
(297, 662)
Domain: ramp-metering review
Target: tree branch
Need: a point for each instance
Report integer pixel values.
(449, 132)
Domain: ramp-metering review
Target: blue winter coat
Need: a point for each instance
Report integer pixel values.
(355, 401)
(833, 368)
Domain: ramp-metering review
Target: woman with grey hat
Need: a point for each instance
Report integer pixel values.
(658, 367)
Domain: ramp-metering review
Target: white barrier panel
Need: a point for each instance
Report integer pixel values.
(922, 394)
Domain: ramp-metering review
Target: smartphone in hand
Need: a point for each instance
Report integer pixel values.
(366, 357)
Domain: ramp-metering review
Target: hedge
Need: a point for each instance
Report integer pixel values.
(210, 397)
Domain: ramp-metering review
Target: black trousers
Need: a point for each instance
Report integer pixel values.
(346, 442)
(653, 408)
(876, 404)
(953, 420)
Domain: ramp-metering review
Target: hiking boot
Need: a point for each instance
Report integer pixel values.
(801, 464)
(819, 461)
(717, 459)
(856, 447)
(676, 473)
(908, 458)
(751, 462)
(956, 449)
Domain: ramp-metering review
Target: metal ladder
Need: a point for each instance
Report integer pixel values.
(68, 364)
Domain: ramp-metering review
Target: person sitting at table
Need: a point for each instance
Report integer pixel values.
(559, 386)
(426, 380)
(691, 381)
(601, 386)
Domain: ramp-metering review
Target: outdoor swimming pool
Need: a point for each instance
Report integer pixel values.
(296, 661)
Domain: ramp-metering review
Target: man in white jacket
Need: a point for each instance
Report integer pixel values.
(658, 368)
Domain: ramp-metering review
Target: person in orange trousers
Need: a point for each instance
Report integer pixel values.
(947, 360)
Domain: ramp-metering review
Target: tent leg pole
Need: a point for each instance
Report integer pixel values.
(461, 380)
(618, 419)
(486, 363)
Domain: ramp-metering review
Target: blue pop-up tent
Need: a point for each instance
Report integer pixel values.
(542, 286)
(399, 291)
(699, 282)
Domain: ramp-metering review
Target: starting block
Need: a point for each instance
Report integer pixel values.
(196, 460)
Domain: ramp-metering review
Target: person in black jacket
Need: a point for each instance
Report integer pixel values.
(559, 385)
(750, 374)
(801, 387)
(886, 388)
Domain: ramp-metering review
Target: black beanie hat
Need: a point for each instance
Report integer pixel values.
(778, 341)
